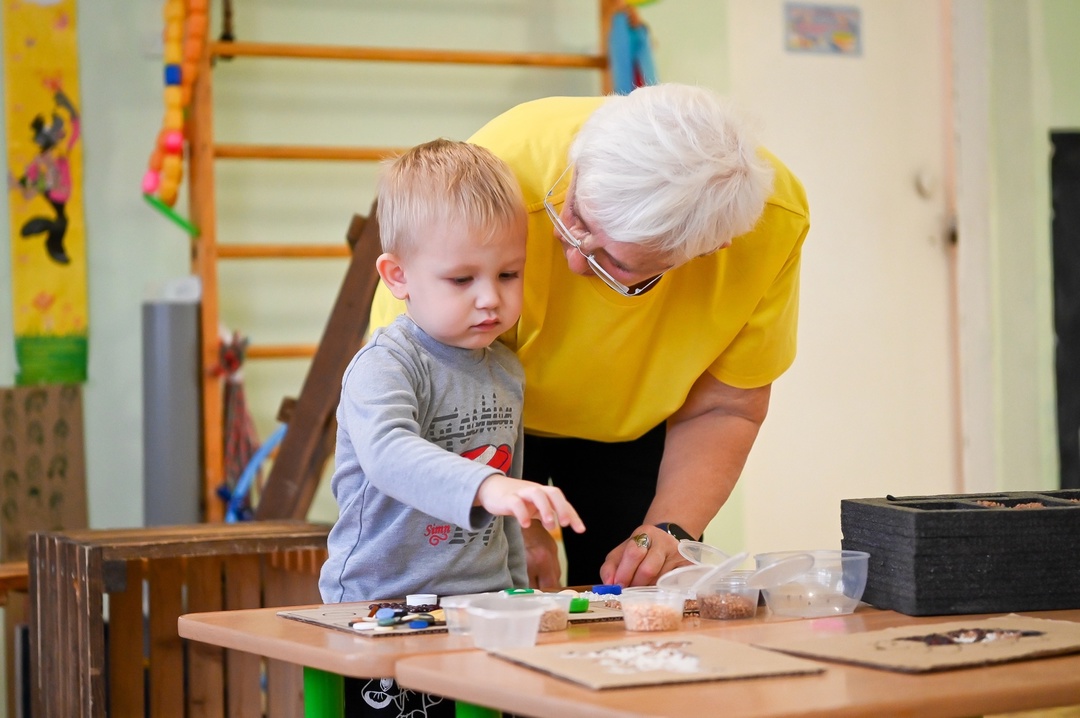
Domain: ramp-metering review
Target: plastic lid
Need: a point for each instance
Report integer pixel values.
(690, 578)
(701, 553)
(781, 572)
(719, 570)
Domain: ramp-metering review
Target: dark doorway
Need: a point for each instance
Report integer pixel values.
(1065, 192)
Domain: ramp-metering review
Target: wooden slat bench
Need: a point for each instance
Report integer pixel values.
(143, 579)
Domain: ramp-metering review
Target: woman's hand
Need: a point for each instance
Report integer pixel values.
(637, 562)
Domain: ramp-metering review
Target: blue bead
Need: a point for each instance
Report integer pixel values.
(172, 74)
(385, 613)
(419, 623)
(608, 588)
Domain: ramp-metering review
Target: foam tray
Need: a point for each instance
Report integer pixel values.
(951, 554)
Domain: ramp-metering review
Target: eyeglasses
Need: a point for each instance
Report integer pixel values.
(574, 242)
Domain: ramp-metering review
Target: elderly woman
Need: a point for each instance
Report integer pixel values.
(661, 302)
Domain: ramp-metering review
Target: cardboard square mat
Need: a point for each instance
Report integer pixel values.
(942, 646)
(646, 660)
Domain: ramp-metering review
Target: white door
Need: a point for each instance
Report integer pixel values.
(868, 408)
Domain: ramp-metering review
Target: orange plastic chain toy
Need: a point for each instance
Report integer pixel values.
(186, 24)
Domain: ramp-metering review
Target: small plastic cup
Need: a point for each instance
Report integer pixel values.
(556, 617)
(652, 609)
(498, 622)
(728, 597)
(457, 618)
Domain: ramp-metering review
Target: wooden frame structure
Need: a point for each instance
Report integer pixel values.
(302, 456)
(143, 667)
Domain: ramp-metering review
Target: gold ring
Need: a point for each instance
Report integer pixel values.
(642, 540)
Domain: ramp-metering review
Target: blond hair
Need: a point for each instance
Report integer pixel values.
(446, 183)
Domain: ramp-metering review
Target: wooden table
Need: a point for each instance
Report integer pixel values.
(450, 666)
(840, 691)
(328, 654)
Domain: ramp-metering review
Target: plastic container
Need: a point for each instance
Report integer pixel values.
(556, 616)
(454, 609)
(728, 597)
(832, 586)
(501, 622)
(652, 609)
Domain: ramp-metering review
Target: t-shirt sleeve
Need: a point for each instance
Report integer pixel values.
(765, 347)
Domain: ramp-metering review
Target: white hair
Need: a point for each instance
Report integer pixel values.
(672, 167)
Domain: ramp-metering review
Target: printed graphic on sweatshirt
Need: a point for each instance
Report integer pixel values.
(497, 457)
(455, 430)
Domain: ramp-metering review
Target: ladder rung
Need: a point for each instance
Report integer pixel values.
(300, 152)
(394, 54)
(281, 251)
(280, 351)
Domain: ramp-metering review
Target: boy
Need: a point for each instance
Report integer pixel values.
(429, 423)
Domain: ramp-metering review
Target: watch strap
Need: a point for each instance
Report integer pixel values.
(675, 530)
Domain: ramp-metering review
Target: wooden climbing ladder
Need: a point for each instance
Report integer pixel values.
(296, 470)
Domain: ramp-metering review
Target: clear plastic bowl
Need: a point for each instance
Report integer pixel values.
(833, 586)
(652, 609)
(500, 622)
(728, 597)
(457, 618)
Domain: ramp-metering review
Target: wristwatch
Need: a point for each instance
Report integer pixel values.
(675, 530)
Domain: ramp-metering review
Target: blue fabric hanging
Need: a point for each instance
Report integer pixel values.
(630, 53)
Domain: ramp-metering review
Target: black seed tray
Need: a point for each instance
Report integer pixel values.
(949, 554)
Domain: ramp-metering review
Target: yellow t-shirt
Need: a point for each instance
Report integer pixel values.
(605, 367)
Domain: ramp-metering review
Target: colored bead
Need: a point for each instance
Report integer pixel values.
(385, 613)
(167, 194)
(172, 97)
(173, 11)
(172, 74)
(174, 142)
(419, 623)
(193, 50)
(174, 118)
(174, 52)
(196, 26)
(187, 73)
(150, 182)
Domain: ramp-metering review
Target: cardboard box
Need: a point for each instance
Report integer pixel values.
(968, 553)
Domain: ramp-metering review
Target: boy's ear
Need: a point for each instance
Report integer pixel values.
(393, 274)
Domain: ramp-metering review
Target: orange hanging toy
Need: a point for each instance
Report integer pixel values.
(185, 36)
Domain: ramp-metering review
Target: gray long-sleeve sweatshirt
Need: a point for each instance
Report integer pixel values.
(420, 426)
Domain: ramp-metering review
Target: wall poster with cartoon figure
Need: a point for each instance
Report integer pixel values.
(45, 198)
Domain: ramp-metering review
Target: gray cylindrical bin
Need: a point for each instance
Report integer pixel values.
(171, 404)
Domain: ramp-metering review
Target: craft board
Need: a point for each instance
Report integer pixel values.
(915, 649)
(42, 463)
(342, 615)
(655, 660)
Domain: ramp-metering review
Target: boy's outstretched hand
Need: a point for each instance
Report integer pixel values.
(525, 500)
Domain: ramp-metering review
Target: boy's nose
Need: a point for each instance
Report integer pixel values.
(487, 295)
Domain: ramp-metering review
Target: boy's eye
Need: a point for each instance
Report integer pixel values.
(509, 275)
(460, 281)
